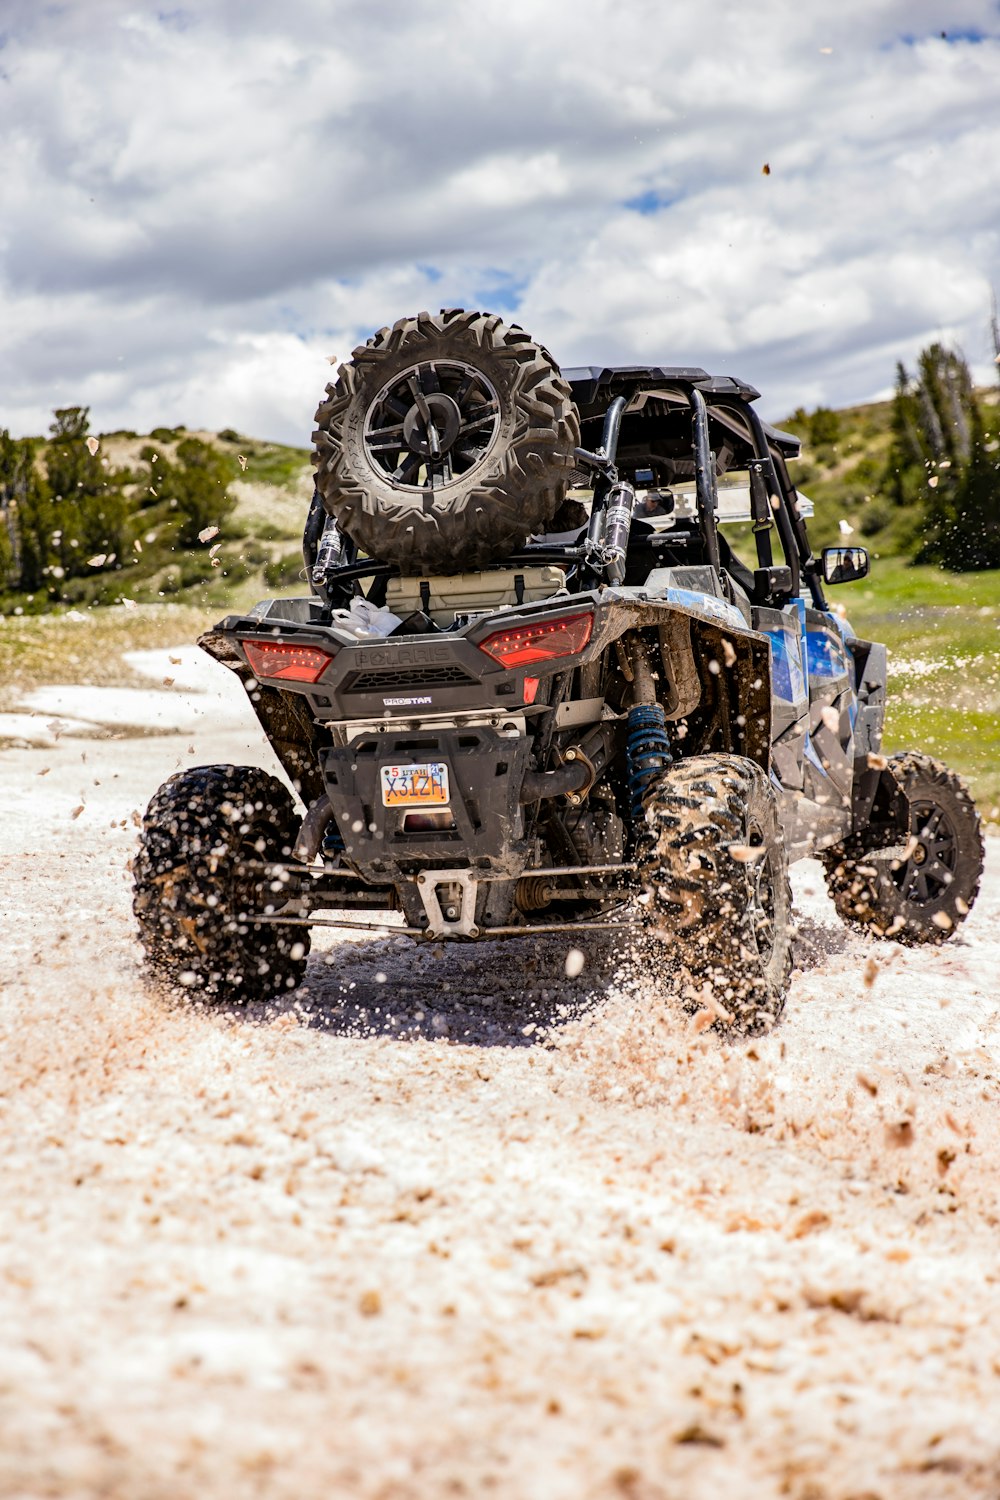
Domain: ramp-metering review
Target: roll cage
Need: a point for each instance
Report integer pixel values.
(642, 423)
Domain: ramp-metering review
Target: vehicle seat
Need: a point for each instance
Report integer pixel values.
(678, 547)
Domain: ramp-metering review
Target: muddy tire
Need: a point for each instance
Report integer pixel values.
(193, 888)
(925, 896)
(445, 442)
(715, 873)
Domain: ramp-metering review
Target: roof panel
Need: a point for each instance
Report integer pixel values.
(600, 383)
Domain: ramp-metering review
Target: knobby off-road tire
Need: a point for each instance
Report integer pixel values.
(193, 889)
(445, 442)
(925, 896)
(715, 871)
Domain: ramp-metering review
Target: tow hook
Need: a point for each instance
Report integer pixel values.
(449, 900)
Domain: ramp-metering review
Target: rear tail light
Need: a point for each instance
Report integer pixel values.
(547, 640)
(271, 659)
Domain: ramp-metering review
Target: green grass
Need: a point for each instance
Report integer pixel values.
(966, 739)
(894, 585)
(943, 634)
(271, 463)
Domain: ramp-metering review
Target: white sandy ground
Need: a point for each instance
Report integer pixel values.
(448, 1224)
(187, 691)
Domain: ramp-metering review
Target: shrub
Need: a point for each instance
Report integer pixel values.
(875, 517)
(284, 571)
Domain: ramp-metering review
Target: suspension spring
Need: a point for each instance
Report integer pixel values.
(333, 840)
(648, 751)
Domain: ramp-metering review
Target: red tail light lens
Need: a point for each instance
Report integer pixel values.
(282, 659)
(547, 640)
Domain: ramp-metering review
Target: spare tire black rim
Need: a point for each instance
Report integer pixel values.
(431, 424)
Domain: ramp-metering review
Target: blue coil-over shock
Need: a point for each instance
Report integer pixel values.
(333, 840)
(648, 752)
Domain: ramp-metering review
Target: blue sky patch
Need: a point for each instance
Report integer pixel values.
(952, 36)
(649, 202)
(502, 293)
(176, 20)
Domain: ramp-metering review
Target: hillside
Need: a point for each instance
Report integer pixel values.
(254, 546)
(844, 466)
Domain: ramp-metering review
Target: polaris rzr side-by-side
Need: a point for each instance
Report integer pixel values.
(536, 688)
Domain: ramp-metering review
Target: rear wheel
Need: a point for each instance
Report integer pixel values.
(922, 890)
(446, 441)
(198, 884)
(715, 872)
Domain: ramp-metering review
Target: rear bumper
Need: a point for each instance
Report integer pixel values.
(485, 771)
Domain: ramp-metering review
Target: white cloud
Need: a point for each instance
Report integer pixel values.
(198, 205)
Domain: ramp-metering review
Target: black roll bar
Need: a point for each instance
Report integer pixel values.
(704, 468)
(612, 429)
(790, 524)
(773, 479)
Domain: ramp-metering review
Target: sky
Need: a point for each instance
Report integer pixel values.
(202, 205)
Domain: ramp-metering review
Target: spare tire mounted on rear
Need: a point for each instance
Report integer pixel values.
(446, 441)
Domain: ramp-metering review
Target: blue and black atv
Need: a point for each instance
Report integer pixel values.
(537, 688)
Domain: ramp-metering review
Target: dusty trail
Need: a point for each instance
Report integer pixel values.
(456, 1225)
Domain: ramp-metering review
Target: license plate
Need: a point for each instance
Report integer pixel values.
(415, 786)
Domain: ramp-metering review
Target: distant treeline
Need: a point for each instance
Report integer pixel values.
(68, 515)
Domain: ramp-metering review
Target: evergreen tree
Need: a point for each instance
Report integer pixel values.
(824, 427)
(36, 520)
(10, 550)
(91, 510)
(941, 461)
(196, 485)
(26, 551)
(972, 539)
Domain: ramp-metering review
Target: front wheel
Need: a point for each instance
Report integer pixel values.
(199, 883)
(715, 872)
(921, 891)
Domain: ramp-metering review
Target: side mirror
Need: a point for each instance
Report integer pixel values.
(844, 564)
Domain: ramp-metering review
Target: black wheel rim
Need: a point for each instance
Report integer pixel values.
(431, 425)
(761, 883)
(928, 870)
